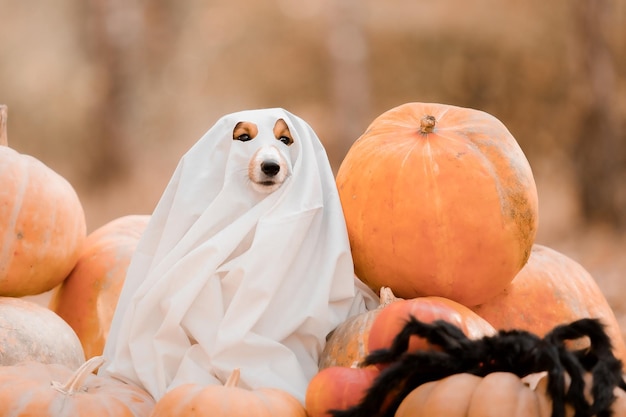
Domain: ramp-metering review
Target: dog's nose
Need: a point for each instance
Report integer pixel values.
(270, 168)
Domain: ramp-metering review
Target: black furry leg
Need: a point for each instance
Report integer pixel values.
(399, 379)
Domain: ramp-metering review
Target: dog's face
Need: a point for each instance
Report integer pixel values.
(268, 167)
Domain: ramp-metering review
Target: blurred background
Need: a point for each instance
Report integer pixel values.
(111, 93)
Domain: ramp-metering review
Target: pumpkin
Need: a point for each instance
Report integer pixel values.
(50, 390)
(87, 298)
(346, 345)
(497, 394)
(337, 388)
(340, 387)
(31, 332)
(438, 200)
(42, 225)
(551, 289)
(391, 320)
(227, 400)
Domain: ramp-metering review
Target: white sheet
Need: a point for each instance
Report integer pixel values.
(225, 277)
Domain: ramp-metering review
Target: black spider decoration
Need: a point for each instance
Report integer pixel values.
(515, 351)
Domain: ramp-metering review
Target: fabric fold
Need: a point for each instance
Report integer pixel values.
(229, 277)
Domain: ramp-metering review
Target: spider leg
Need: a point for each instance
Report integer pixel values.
(605, 380)
(607, 372)
(575, 394)
(599, 359)
(400, 378)
(556, 381)
(440, 333)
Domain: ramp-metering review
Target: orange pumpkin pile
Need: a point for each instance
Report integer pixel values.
(440, 204)
(42, 224)
(44, 246)
(441, 210)
(87, 298)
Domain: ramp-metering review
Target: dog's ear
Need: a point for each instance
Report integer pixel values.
(282, 133)
(245, 131)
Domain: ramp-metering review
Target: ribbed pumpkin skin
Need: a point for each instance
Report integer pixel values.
(463, 395)
(451, 212)
(30, 332)
(552, 289)
(26, 390)
(347, 345)
(42, 225)
(227, 400)
(86, 300)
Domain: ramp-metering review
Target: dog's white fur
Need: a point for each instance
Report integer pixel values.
(268, 167)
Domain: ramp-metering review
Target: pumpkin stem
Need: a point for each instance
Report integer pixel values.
(427, 124)
(233, 379)
(3, 125)
(387, 297)
(74, 384)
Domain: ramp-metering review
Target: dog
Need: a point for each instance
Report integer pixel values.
(268, 167)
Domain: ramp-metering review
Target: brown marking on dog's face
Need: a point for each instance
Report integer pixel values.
(245, 131)
(282, 133)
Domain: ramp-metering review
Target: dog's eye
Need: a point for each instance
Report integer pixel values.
(244, 138)
(286, 140)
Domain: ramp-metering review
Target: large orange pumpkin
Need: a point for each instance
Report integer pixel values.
(227, 400)
(552, 289)
(49, 390)
(438, 200)
(88, 297)
(30, 332)
(42, 225)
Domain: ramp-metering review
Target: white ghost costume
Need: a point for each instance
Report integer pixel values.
(227, 277)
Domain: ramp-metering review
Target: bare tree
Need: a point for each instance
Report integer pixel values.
(599, 149)
(125, 40)
(348, 51)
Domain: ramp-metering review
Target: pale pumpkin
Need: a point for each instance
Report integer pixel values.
(439, 200)
(42, 225)
(497, 394)
(347, 344)
(552, 289)
(87, 298)
(31, 332)
(227, 400)
(49, 390)
(463, 395)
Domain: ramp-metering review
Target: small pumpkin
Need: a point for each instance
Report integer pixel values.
(31, 332)
(439, 200)
(497, 394)
(50, 390)
(347, 344)
(551, 289)
(87, 298)
(42, 224)
(338, 388)
(227, 400)
(392, 319)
